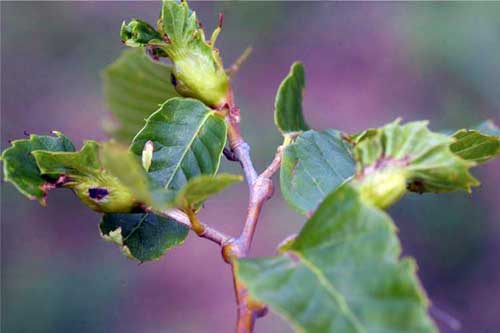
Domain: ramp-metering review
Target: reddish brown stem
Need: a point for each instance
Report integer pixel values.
(245, 319)
(260, 190)
(204, 231)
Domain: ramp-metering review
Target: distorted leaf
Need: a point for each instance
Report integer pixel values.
(20, 168)
(82, 172)
(423, 158)
(197, 67)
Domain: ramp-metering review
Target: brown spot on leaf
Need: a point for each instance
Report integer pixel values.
(416, 186)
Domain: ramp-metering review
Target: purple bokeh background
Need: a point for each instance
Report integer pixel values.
(366, 64)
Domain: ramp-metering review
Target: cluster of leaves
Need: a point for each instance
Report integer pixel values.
(175, 143)
(110, 179)
(343, 271)
(197, 69)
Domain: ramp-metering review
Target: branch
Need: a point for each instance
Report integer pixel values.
(260, 190)
(275, 164)
(240, 149)
(204, 231)
(260, 186)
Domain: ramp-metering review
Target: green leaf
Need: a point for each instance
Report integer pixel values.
(119, 162)
(179, 23)
(342, 274)
(134, 87)
(122, 164)
(83, 172)
(200, 188)
(188, 139)
(288, 115)
(143, 236)
(422, 157)
(313, 166)
(479, 145)
(198, 67)
(198, 71)
(20, 167)
(74, 164)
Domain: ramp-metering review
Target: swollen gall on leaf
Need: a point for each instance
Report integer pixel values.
(197, 70)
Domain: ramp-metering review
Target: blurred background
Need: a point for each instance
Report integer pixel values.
(366, 64)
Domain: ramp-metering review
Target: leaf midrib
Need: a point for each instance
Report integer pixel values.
(332, 291)
(187, 148)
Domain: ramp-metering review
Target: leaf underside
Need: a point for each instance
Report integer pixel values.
(143, 236)
(288, 115)
(188, 140)
(313, 166)
(134, 87)
(342, 274)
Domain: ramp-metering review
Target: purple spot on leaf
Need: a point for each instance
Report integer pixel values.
(98, 193)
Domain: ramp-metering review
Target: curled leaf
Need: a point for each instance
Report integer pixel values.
(197, 67)
(20, 168)
(138, 33)
(82, 172)
(412, 151)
